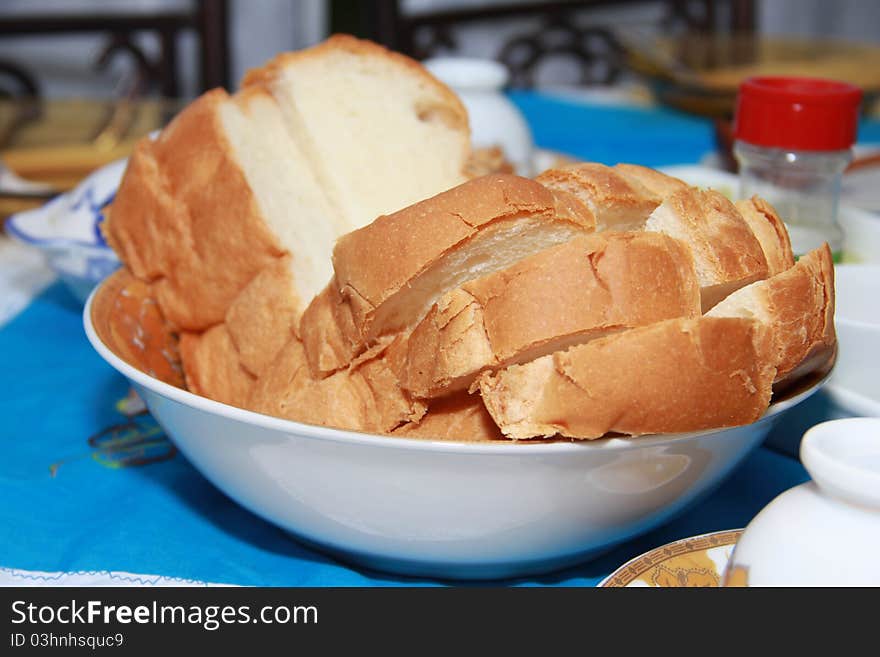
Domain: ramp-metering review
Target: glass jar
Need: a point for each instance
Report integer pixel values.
(793, 141)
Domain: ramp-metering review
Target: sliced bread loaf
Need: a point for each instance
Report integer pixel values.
(297, 158)
(797, 306)
(389, 273)
(674, 376)
(618, 202)
(564, 295)
(727, 254)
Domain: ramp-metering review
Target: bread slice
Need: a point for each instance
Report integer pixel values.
(618, 202)
(389, 273)
(658, 184)
(727, 254)
(263, 317)
(564, 295)
(770, 231)
(674, 376)
(212, 367)
(365, 397)
(459, 417)
(203, 209)
(380, 131)
(297, 158)
(797, 306)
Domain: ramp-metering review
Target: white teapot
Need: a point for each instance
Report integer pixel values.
(494, 119)
(825, 532)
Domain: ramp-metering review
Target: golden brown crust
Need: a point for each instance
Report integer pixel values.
(127, 319)
(674, 376)
(263, 316)
(726, 252)
(376, 262)
(658, 184)
(770, 232)
(212, 367)
(797, 306)
(460, 417)
(563, 295)
(364, 398)
(617, 202)
(186, 218)
(406, 241)
(327, 346)
(568, 207)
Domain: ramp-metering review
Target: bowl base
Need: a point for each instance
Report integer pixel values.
(446, 570)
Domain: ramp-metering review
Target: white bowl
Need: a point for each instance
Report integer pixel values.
(855, 384)
(444, 509)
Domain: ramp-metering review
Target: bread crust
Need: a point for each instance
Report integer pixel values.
(674, 376)
(658, 184)
(567, 294)
(770, 231)
(618, 202)
(797, 305)
(212, 367)
(365, 397)
(727, 254)
(386, 257)
(264, 315)
(460, 417)
(186, 220)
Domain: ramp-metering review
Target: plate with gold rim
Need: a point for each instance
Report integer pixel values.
(698, 561)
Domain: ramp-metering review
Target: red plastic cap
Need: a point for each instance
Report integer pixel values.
(798, 113)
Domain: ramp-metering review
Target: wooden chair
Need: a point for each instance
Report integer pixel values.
(207, 19)
(595, 48)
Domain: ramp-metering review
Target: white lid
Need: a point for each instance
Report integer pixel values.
(468, 72)
(843, 458)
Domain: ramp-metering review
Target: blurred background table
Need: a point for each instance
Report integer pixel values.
(70, 138)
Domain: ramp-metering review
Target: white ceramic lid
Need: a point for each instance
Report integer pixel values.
(468, 73)
(843, 458)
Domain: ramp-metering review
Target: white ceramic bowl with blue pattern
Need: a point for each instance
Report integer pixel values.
(67, 231)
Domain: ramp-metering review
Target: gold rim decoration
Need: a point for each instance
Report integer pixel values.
(683, 563)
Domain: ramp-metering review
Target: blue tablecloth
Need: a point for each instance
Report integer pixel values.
(651, 136)
(68, 504)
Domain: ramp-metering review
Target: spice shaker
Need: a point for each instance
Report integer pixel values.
(793, 141)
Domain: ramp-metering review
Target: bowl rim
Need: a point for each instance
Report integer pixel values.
(498, 448)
